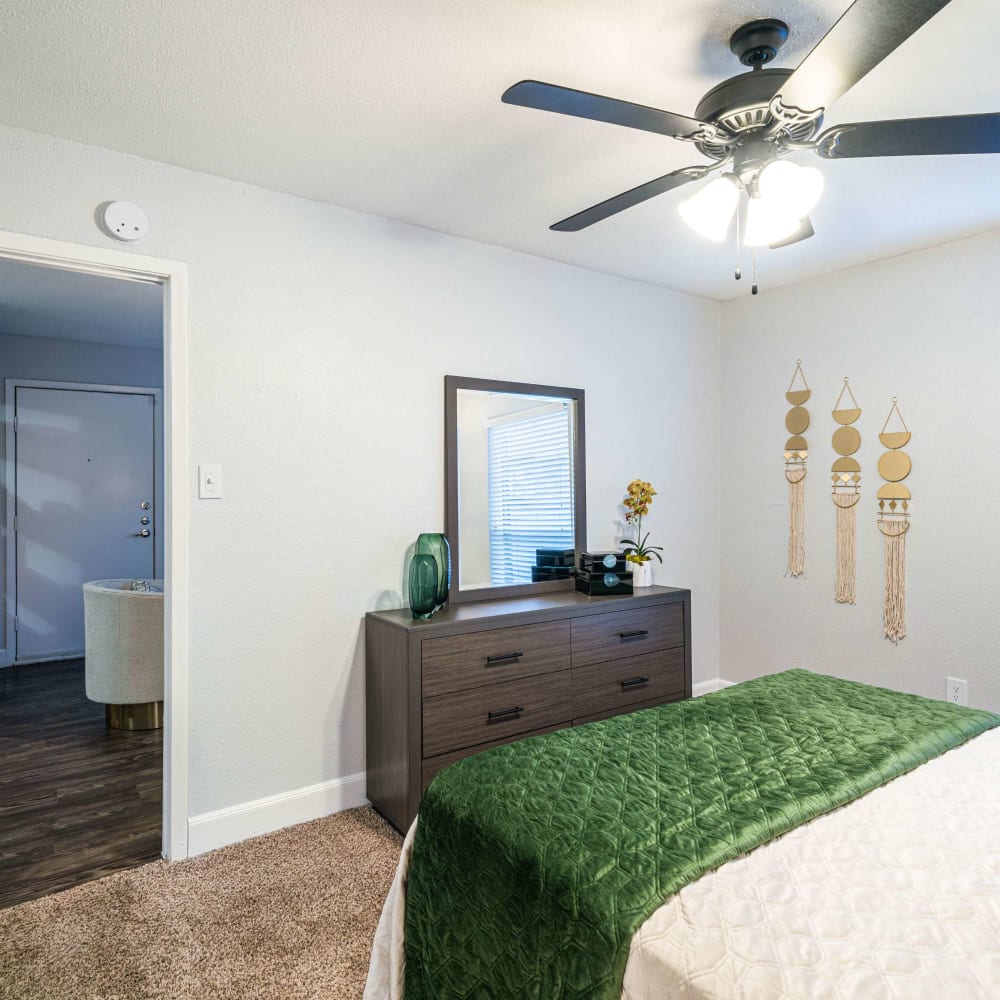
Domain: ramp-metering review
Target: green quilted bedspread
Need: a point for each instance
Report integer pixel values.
(534, 863)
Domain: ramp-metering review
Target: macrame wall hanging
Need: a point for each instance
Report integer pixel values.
(846, 493)
(894, 522)
(796, 453)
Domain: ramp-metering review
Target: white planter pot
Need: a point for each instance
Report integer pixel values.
(642, 574)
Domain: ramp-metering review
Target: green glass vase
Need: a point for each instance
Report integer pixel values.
(435, 544)
(423, 585)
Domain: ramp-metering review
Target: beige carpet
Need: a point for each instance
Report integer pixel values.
(286, 916)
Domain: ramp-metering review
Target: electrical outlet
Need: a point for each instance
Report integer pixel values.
(957, 691)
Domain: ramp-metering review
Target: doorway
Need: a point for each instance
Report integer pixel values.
(81, 760)
(169, 521)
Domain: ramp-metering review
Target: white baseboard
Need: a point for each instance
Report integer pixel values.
(707, 687)
(57, 657)
(215, 829)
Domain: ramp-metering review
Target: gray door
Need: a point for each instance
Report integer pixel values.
(84, 467)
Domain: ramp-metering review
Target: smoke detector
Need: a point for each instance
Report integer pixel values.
(125, 222)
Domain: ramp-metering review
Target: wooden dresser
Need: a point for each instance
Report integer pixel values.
(477, 675)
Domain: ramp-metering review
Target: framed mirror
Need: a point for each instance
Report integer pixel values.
(515, 490)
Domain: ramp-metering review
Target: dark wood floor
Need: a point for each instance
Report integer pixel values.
(77, 800)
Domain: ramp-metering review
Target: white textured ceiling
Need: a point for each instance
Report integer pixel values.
(394, 108)
(47, 302)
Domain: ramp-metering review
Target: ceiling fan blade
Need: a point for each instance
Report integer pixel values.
(597, 213)
(579, 104)
(804, 231)
(866, 33)
(913, 137)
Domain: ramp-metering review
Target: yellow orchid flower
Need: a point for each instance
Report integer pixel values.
(637, 503)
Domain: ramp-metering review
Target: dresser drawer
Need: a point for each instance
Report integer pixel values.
(601, 686)
(493, 712)
(457, 662)
(619, 634)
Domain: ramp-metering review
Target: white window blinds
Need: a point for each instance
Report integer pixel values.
(531, 489)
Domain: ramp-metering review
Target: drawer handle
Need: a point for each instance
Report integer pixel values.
(633, 682)
(492, 661)
(632, 636)
(504, 714)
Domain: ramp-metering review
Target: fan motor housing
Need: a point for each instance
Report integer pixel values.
(742, 103)
(757, 42)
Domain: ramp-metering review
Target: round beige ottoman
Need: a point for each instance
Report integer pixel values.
(124, 651)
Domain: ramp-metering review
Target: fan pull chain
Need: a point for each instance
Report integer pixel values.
(754, 289)
(739, 269)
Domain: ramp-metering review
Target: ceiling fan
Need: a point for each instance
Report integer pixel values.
(749, 122)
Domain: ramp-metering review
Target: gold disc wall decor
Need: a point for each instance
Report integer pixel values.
(796, 453)
(846, 440)
(846, 493)
(894, 466)
(894, 522)
(797, 420)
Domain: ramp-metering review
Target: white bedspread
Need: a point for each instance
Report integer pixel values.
(896, 895)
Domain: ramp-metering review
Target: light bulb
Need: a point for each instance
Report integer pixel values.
(710, 211)
(768, 222)
(796, 189)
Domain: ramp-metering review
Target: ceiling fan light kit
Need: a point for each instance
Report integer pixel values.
(767, 223)
(797, 188)
(711, 209)
(780, 196)
(748, 123)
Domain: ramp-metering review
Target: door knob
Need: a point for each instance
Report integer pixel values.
(142, 534)
(144, 520)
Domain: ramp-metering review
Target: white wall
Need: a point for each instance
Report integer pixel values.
(53, 359)
(319, 342)
(923, 327)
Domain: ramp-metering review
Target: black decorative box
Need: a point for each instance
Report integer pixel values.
(603, 562)
(555, 557)
(605, 584)
(540, 573)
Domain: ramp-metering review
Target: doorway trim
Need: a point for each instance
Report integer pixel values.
(172, 275)
(11, 385)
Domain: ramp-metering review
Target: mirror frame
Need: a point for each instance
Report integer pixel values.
(452, 383)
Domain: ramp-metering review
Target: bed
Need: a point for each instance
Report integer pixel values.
(843, 842)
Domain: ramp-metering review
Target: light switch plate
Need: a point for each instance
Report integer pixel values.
(210, 481)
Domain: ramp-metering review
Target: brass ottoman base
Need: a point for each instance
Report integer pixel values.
(148, 715)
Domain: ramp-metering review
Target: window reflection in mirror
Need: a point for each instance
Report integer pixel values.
(515, 485)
